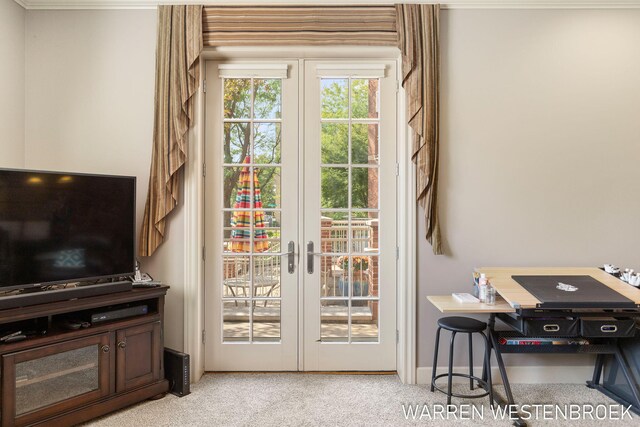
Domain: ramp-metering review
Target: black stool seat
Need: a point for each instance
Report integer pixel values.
(461, 324)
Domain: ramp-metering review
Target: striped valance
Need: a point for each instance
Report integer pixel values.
(299, 25)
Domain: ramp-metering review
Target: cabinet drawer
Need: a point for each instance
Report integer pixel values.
(600, 327)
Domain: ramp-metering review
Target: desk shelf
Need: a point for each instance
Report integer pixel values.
(597, 348)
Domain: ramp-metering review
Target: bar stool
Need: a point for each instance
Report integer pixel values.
(466, 325)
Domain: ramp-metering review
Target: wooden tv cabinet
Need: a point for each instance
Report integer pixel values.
(68, 376)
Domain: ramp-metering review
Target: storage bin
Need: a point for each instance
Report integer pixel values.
(543, 326)
(602, 327)
(551, 327)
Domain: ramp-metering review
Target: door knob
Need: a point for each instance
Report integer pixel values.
(122, 344)
(105, 348)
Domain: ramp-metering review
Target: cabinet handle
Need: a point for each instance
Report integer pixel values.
(105, 349)
(122, 344)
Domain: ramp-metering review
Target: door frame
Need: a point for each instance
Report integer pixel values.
(193, 299)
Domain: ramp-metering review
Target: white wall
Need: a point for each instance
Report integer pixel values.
(89, 103)
(12, 28)
(540, 136)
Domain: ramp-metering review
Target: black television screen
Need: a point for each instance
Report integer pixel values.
(64, 227)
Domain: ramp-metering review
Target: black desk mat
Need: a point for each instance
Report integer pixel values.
(589, 292)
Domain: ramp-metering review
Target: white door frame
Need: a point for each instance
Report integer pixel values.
(194, 209)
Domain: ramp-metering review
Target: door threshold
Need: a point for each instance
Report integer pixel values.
(306, 372)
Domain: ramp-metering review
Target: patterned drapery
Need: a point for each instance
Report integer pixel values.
(419, 42)
(178, 48)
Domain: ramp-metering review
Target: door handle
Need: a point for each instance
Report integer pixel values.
(310, 255)
(291, 257)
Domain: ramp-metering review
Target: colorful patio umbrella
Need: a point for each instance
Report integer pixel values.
(241, 219)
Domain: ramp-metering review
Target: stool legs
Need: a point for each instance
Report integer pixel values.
(450, 377)
(487, 364)
(485, 382)
(435, 358)
(470, 361)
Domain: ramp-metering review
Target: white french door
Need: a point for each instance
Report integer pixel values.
(300, 211)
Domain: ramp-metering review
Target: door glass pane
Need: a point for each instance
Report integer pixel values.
(252, 214)
(266, 320)
(272, 221)
(236, 276)
(364, 143)
(267, 138)
(350, 200)
(268, 99)
(237, 98)
(236, 142)
(334, 325)
(335, 143)
(334, 232)
(364, 232)
(364, 98)
(364, 188)
(335, 98)
(230, 190)
(50, 379)
(236, 323)
(330, 276)
(269, 183)
(335, 188)
(364, 321)
(266, 276)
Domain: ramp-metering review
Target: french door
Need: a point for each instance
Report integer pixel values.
(300, 208)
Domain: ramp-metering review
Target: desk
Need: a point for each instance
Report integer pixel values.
(515, 306)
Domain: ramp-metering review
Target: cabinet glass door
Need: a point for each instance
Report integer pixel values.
(49, 378)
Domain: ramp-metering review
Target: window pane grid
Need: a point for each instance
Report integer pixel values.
(251, 275)
(346, 285)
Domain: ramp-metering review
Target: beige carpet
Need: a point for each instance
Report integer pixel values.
(333, 400)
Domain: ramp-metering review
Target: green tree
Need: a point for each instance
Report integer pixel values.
(335, 141)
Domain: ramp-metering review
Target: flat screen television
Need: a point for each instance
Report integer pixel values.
(64, 227)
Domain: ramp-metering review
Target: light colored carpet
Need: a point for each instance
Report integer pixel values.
(331, 400)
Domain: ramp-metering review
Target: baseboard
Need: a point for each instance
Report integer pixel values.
(520, 374)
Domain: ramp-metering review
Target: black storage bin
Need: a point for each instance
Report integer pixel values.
(542, 326)
(603, 327)
(551, 327)
(613, 379)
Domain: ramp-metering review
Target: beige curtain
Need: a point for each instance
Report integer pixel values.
(299, 25)
(418, 39)
(179, 44)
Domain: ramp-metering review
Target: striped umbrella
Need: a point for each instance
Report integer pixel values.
(241, 219)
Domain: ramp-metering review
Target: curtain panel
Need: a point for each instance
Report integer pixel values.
(184, 30)
(299, 25)
(419, 42)
(179, 43)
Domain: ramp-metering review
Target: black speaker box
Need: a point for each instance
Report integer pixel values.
(177, 372)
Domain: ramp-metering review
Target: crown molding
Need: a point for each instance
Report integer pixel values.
(446, 4)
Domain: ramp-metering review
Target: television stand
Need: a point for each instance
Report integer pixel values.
(58, 376)
(39, 296)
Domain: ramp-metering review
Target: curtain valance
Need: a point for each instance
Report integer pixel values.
(299, 25)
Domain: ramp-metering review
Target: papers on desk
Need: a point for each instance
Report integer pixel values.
(465, 298)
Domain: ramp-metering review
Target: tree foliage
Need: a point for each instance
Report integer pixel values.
(265, 94)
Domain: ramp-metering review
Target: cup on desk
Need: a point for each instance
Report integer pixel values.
(491, 295)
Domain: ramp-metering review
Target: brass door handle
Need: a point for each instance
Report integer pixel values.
(122, 344)
(105, 348)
